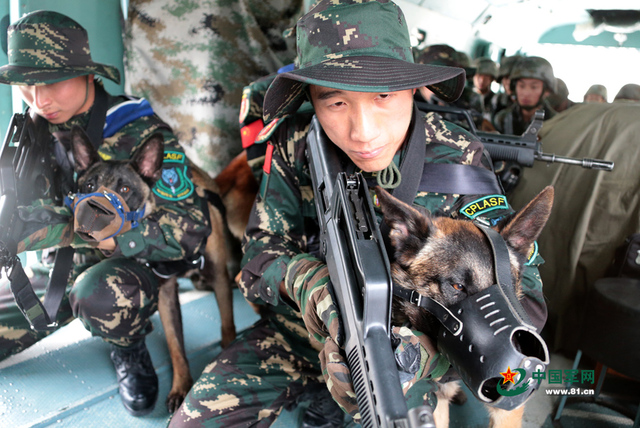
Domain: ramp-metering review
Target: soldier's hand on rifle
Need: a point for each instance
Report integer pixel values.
(307, 284)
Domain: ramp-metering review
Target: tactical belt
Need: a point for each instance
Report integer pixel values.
(43, 317)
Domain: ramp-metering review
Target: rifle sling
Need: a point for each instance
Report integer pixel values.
(26, 298)
(97, 118)
(42, 317)
(412, 162)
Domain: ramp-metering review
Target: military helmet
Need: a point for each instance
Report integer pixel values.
(506, 65)
(597, 90)
(562, 90)
(445, 55)
(630, 91)
(533, 67)
(486, 66)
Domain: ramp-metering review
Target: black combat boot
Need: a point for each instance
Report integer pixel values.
(323, 412)
(137, 379)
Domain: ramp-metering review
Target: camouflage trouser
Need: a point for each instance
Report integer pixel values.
(113, 298)
(262, 372)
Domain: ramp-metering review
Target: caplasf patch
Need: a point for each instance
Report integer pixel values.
(533, 252)
(484, 205)
(174, 184)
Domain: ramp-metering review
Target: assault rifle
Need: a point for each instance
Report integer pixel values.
(359, 269)
(27, 173)
(523, 149)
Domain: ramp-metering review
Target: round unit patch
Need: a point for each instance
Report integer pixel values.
(174, 185)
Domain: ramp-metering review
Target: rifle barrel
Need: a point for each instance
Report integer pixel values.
(585, 162)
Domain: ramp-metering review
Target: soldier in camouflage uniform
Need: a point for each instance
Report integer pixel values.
(445, 55)
(191, 60)
(531, 80)
(596, 94)
(357, 70)
(559, 101)
(504, 98)
(629, 92)
(486, 73)
(112, 288)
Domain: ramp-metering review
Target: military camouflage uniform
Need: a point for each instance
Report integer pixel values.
(263, 371)
(191, 60)
(510, 120)
(288, 350)
(445, 55)
(485, 66)
(115, 295)
(503, 100)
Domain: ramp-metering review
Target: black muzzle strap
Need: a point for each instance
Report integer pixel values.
(444, 315)
(503, 273)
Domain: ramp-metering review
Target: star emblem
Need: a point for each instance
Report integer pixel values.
(509, 376)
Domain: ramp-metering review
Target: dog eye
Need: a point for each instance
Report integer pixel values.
(124, 189)
(90, 187)
(458, 287)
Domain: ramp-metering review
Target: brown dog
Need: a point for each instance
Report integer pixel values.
(239, 188)
(236, 187)
(448, 260)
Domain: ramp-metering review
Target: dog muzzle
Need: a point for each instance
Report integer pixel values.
(102, 214)
(488, 337)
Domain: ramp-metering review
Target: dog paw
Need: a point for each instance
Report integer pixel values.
(174, 400)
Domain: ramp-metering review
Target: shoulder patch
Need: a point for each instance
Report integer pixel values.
(245, 104)
(174, 184)
(533, 252)
(484, 205)
(266, 132)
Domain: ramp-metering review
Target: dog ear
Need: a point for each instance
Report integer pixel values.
(524, 227)
(148, 159)
(84, 154)
(409, 228)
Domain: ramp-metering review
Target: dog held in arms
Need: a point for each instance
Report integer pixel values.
(132, 180)
(448, 260)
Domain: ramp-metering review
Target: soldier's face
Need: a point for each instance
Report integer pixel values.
(482, 82)
(369, 127)
(529, 92)
(594, 98)
(58, 102)
(506, 84)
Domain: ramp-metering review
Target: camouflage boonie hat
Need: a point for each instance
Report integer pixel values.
(47, 47)
(360, 46)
